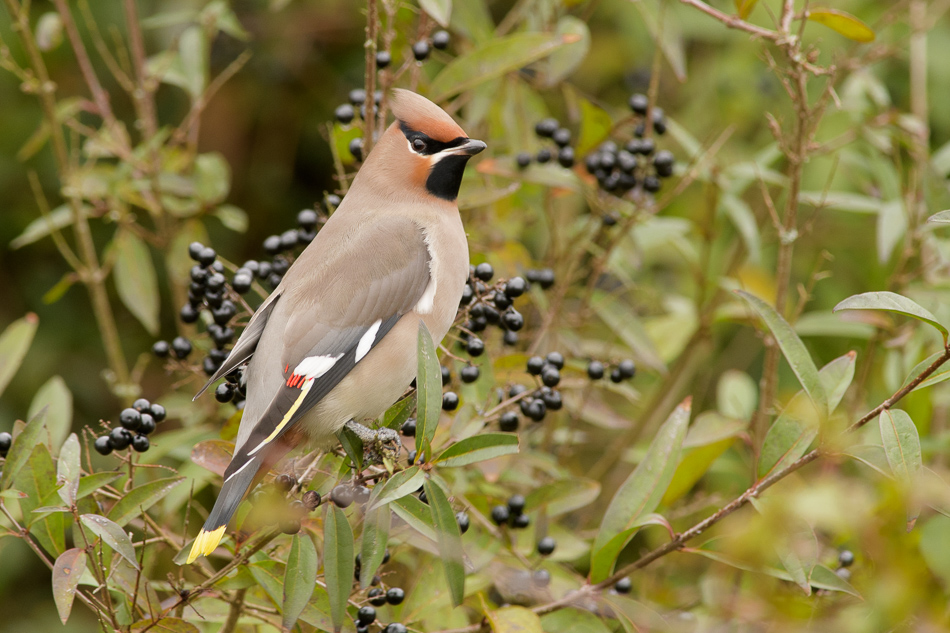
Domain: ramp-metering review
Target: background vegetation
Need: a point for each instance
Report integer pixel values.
(764, 443)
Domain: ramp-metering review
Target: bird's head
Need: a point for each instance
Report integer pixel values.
(424, 148)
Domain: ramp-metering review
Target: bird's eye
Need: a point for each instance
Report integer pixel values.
(418, 145)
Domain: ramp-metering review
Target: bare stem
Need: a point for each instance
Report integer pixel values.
(369, 105)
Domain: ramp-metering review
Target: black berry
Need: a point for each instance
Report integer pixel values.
(545, 128)
(383, 59)
(450, 401)
(311, 500)
(194, 250)
(512, 320)
(475, 346)
(161, 349)
(140, 443)
(356, 148)
(207, 256)
(546, 546)
(469, 373)
(120, 438)
(519, 522)
(440, 40)
(516, 504)
(408, 428)
(344, 113)
(523, 159)
(550, 376)
(395, 596)
(543, 155)
(342, 496)
(420, 50)
(357, 96)
(224, 392)
(846, 558)
(508, 421)
(535, 365)
(624, 585)
(446, 375)
(148, 424)
(500, 514)
(130, 419)
(546, 278)
(562, 137)
(181, 346)
(615, 375)
(158, 412)
(484, 271)
(595, 370)
(463, 521)
(556, 359)
(639, 104)
(103, 445)
(377, 597)
(627, 368)
(396, 627)
(366, 615)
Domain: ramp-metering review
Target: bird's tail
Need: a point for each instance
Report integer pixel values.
(233, 491)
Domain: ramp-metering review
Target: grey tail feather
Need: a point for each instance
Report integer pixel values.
(230, 497)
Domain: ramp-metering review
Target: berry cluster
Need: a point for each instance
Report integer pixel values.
(422, 48)
(485, 305)
(136, 423)
(511, 513)
(550, 129)
(6, 441)
(377, 597)
(283, 248)
(624, 370)
(845, 560)
(625, 164)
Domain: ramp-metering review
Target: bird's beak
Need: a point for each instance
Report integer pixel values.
(469, 147)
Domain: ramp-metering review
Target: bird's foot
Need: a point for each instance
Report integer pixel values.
(378, 444)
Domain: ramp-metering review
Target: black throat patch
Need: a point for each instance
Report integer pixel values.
(445, 177)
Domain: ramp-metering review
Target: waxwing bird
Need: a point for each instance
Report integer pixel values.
(336, 340)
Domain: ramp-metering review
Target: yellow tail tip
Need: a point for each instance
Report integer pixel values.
(205, 543)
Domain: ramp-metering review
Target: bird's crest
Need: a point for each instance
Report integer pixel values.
(422, 115)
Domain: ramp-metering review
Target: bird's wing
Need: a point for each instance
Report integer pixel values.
(246, 343)
(332, 313)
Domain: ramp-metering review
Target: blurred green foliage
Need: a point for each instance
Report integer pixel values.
(840, 191)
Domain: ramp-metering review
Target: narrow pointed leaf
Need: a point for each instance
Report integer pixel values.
(338, 564)
(842, 22)
(67, 470)
(942, 217)
(22, 447)
(641, 493)
(790, 435)
(478, 448)
(66, 574)
(352, 446)
(135, 279)
(14, 343)
(55, 395)
(514, 620)
(792, 348)
(140, 499)
(416, 514)
(494, 59)
(90, 483)
(450, 540)
(744, 7)
(428, 390)
(403, 483)
(373, 542)
(901, 444)
(299, 579)
(438, 10)
(399, 413)
(112, 535)
(892, 302)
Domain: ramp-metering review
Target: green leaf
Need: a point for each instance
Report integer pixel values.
(842, 201)
(565, 60)
(193, 60)
(14, 343)
(112, 535)
(842, 22)
(299, 579)
(790, 435)
(641, 493)
(892, 302)
(428, 390)
(449, 538)
(135, 279)
(623, 321)
(213, 180)
(478, 448)
(55, 395)
(338, 562)
(416, 514)
(38, 481)
(493, 59)
(942, 217)
(67, 571)
(438, 10)
(561, 497)
(141, 498)
(403, 483)
(792, 347)
(736, 395)
(744, 7)
(232, 217)
(824, 578)
(891, 228)
(595, 126)
(836, 377)
(901, 445)
(67, 470)
(514, 620)
(573, 620)
(399, 413)
(695, 463)
(90, 483)
(22, 448)
(57, 219)
(373, 542)
(352, 446)
(742, 217)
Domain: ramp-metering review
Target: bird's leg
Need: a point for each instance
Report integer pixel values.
(378, 444)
